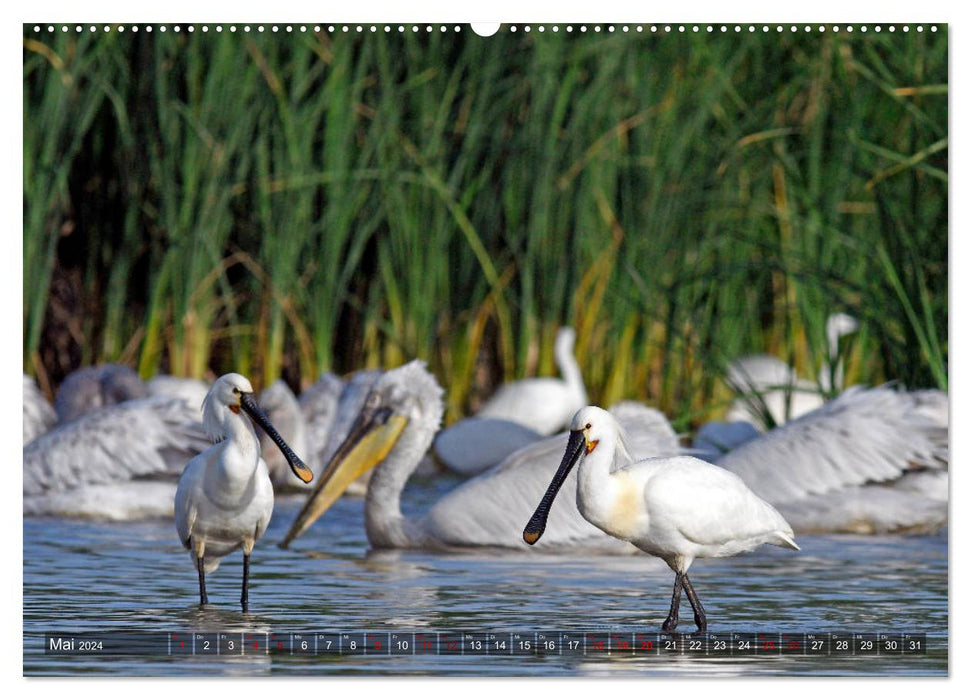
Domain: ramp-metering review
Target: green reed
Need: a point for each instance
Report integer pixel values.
(287, 205)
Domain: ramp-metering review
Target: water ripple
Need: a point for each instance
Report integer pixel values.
(85, 576)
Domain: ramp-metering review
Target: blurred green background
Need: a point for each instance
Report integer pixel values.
(284, 204)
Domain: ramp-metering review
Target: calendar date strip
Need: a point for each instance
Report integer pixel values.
(129, 643)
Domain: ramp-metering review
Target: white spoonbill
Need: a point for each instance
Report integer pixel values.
(225, 498)
(543, 404)
(675, 508)
(283, 411)
(316, 423)
(394, 430)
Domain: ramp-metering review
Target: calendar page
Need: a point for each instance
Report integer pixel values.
(535, 349)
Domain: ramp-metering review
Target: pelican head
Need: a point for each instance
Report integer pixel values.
(232, 392)
(590, 425)
(407, 397)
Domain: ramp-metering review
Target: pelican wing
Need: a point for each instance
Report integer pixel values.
(715, 438)
(192, 391)
(864, 435)
(133, 500)
(932, 403)
(139, 438)
(646, 430)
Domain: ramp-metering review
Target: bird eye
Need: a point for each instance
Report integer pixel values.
(589, 426)
(235, 391)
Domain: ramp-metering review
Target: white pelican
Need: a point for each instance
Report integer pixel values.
(394, 430)
(353, 395)
(89, 388)
(544, 404)
(118, 463)
(39, 416)
(770, 386)
(675, 508)
(225, 498)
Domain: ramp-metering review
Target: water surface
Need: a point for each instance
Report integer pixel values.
(89, 577)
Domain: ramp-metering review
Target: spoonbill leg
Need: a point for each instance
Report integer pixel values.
(201, 566)
(700, 618)
(672, 620)
(244, 597)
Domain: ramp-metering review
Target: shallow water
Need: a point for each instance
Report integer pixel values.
(135, 577)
